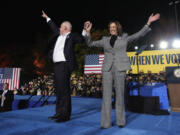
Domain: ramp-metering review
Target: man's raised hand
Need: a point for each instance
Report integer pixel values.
(44, 15)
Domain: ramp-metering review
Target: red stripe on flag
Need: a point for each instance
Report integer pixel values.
(95, 69)
(15, 80)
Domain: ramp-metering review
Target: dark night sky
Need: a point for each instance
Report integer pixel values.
(21, 21)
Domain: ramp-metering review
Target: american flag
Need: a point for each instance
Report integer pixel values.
(10, 76)
(93, 64)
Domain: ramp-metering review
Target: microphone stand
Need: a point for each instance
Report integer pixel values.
(137, 55)
(46, 100)
(42, 97)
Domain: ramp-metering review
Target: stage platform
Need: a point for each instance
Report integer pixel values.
(85, 120)
(28, 101)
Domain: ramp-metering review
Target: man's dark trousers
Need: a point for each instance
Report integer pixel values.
(63, 91)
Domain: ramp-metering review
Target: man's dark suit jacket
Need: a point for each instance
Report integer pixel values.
(8, 101)
(70, 41)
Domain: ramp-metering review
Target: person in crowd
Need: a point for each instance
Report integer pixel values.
(6, 98)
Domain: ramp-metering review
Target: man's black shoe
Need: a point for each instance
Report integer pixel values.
(62, 120)
(53, 117)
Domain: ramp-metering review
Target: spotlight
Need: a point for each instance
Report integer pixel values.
(152, 45)
(163, 44)
(136, 47)
(176, 43)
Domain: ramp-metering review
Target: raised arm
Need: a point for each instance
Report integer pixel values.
(145, 29)
(54, 28)
(87, 35)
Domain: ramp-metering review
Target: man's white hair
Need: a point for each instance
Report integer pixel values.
(68, 25)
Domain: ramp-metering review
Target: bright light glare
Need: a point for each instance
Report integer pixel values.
(136, 47)
(176, 43)
(163, 44)
(151, 45)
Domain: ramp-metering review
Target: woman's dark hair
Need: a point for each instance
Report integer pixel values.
(119, 27)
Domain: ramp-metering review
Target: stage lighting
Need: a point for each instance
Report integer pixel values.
(136, 47)
(176, 43)
(152, 45)
(163, 44)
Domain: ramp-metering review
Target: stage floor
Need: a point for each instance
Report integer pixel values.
(85, 120)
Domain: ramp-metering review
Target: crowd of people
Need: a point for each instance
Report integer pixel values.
(146, 78)
(38, 86)
(87, 85)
